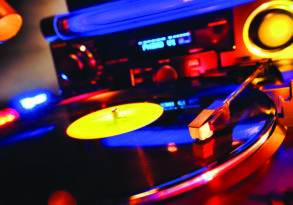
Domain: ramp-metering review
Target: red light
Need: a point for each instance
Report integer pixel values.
(61, 198)
(217, 23)
(77, 60)
(165, 74)
(204, 150)
(116, 61)
(123, 60)
(93, 62)
(148, 69)
(103, 105)
(8, 116)
(111, 62)
(194, 50)
(215, 40)
(65, 25)
(139, 80)
(162, 61)
(194, 62)
(137, 71)
(199, 63)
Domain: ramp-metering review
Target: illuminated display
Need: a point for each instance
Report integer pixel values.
(181, 103)
(166, 41)
(170, 105)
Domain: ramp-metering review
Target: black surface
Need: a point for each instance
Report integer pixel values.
(35, 165)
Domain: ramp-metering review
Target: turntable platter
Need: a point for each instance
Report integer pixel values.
(114, 120)
(150, 163)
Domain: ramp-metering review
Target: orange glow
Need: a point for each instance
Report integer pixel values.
(61, 198)
(135, 199)
(77, 60)
(10, 21)
(114, 120)
(145, 167)
(172, 147)
(132, 79)
(104, 96)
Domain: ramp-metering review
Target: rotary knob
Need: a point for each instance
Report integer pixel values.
(165, 74)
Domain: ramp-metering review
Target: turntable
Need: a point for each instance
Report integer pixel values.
(161, 106)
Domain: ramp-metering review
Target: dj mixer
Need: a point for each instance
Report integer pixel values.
(162, 102)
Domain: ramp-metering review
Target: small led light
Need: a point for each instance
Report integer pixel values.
(63, 76)
(181, 103)
(29, 103)
(82, 48)
(168, 105)
(171, 147)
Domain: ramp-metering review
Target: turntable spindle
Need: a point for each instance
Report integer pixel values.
(115, 113)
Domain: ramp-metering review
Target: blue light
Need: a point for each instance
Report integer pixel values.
(249, 128)
(169, 105)
(153, 46)
(128, 14)
(181, 103)
(151, 136)
(29, 103)
(184, 40)
(171, 42)
(248, 131)
(35, 133)
(64, 77)
(193, 100)
(181, 179)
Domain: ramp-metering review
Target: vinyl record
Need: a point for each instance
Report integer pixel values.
(148, 164)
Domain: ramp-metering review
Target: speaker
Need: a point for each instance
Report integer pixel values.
(262, 29)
